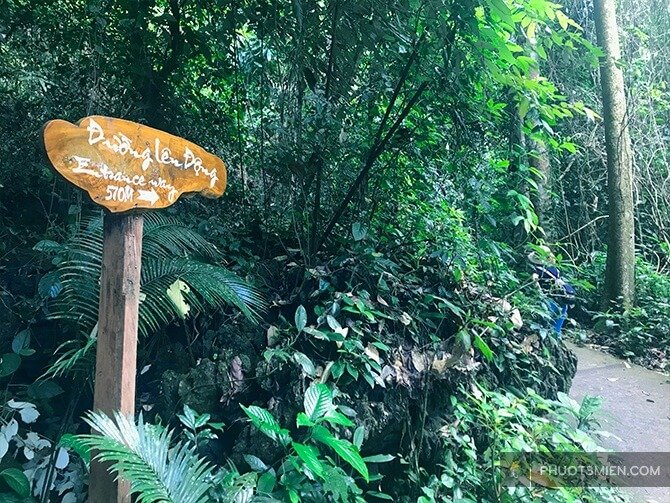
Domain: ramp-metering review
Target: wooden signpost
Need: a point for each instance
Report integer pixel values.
(125, 166)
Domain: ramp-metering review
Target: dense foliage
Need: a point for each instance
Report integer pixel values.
(348, 322)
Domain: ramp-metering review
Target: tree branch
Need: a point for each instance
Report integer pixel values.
(372, 156)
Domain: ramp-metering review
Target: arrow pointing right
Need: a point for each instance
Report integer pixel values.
(148, 195)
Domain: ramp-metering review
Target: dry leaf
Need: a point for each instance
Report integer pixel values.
(516, 319)
(419, 361)
(272, 335)
(373, 353)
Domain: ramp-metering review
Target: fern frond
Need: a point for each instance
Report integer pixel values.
(141, 453)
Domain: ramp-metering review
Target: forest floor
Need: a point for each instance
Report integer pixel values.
(636, 408)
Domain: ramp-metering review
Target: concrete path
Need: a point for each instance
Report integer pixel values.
(636, 408)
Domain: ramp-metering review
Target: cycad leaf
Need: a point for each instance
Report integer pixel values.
(142, 455)
(172, 254)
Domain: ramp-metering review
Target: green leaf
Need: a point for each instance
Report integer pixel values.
(300, 318)
(303, 420)
(9, 362)
(337, 369)
(503, 11)
(333, 323)
(47, 246)
(304, 361)
(17, 481)
(358, 231)
(345, 449)
(524, 107)
(463, 339)
(266, 423)
(483, 347)
(310, 456)
(335, 417)
(318, 401)
(255, 463)
(21, 341)
(359, 436)
(563, 20)
(381, 496)
(379, 458)
(266, 483)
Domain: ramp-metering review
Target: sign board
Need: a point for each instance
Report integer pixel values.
(124, 165)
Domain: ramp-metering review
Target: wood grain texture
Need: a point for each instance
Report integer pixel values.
(124, 165)
(116, 357)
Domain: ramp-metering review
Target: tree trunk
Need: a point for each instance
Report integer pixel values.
(538, 160)
(620, 269)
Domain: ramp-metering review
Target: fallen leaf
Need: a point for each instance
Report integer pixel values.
(419, 361)
(373, 353)
(272, 335)
(516, 318)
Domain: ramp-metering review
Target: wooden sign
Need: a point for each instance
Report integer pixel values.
(123, 165)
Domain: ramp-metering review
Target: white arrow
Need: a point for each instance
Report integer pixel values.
(148, 195)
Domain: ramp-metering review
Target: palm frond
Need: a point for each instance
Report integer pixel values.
(142, 454)
(211, 287)
(74, 355)
(166, 237)
(171, 252)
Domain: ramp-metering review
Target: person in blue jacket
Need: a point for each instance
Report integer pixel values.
(560, 294)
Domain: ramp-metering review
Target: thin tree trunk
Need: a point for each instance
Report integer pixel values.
(517, 158)
(538, 160)
(620, 268)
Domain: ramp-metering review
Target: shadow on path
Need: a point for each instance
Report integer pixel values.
(636, 408)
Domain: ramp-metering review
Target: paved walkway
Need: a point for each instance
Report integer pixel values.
(636, 408)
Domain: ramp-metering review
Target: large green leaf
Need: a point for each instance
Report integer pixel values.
(318, 401)
(310, 456)
(16, 479)
(300, 318)
(345, 449)
(266, 423)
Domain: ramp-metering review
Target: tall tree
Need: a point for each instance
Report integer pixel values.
(538, 156)
(620, 269)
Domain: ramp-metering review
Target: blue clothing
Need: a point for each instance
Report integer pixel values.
(560, 294)
(561, 314)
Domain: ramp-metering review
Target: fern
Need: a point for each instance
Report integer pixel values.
(171, 252)
(142, 455)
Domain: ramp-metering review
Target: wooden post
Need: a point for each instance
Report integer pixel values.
(111, 159)
(117, 337)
